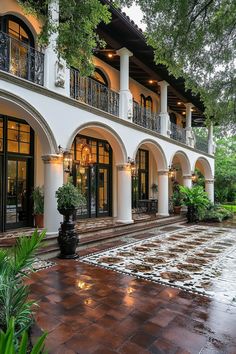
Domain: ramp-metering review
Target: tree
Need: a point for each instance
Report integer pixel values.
(77, 37)
(196, 40)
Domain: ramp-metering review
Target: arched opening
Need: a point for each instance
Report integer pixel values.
(205, 176)
(18, 47)
(97, 176)
(180, 165)
(24, 137)
(150, 159)
(202, 165)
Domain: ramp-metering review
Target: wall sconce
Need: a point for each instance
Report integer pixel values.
(172, 173)
(194, 177)
(133, 166)
(67, 159)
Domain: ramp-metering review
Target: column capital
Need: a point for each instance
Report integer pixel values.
(209, 181)
(123, 167)
(188, 105)
(187, 176)
(124, 51)
(163, 173)
(52, 159)
(163, 83)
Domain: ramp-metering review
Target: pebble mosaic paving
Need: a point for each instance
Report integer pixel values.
(200, 259)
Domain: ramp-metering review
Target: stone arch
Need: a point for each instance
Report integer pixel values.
(157, 151)
(184, 161)
(15, 106)
(205, 167)
(106, 133)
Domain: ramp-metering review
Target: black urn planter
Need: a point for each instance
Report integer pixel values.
(67, 238)
(192, 214)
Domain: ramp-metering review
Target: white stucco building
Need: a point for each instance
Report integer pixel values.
(130, 111)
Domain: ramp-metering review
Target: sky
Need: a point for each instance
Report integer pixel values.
(135, 14)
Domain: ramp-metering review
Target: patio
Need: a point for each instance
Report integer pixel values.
(98, 310)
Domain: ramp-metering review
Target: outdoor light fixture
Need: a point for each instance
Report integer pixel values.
(133, 166)
(194, 177)
(110, 55)
(86, 155)
(67, 159)
(179, 103)
(172, 173)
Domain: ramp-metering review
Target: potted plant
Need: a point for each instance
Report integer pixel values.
(196, 200)
(69, 199)
(177, 201)
(38, 198)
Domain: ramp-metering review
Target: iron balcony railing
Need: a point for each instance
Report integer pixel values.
(146, 118)
(177, 133)
(20, 59)
(87, 90)
(201, 143)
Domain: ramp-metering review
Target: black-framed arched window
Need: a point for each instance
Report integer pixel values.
(17, 29)
(146, 102)
(100, 77)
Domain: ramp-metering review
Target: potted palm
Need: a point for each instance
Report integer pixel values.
(196, 200)
(69, 199)
(38, 198)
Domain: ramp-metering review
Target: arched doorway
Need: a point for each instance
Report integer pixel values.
(96, 151)
(202, 165)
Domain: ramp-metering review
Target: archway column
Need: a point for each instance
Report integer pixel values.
(190, 137)
(163, 193)
(126, 98)
(124, 198)
(209, 188)
(164, 115)
(187, 181)
(53, 179)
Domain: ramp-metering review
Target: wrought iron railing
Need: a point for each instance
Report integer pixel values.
(87, 90)
(146, 118)
(201, 143)
(20, 59)
(177, 133)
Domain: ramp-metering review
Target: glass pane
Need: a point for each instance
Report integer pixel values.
(21, 192)
(24, 137)
(11, 192)
(103, 190)
(24, 127)
(93, 200)
(143, 186)
(104, 153)
(24, 148)
(18, 135)
(82, 183)
(12, 146)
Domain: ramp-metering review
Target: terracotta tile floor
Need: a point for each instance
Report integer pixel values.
(87, 309)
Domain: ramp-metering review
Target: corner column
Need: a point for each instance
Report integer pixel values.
(53, 179)
(211, 144)
(190, 138)
(163, 193)
(164, 115)
(126, 98)
(124, 202)
(187, 181)
(209, 188)
(56, 73)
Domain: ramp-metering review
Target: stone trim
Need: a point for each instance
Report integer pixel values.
(209, 181)
(52, 159)
(163, 173)
(123, 167)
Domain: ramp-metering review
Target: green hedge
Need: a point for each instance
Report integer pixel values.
(216, 213)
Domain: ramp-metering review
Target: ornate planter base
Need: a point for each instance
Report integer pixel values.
(67, 239)
(192, 215)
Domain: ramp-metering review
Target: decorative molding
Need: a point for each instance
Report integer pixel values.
(123, 167)
(163, 173)
(52, 159)
(209, 181)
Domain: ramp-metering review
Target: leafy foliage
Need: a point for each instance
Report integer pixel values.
(216, 213)
(38, 198)
(195, 199)
(195, 39)
(8, 345)
(77, 37)
(13, 293)
(69, 197)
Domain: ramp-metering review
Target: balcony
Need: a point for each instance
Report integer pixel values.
(201, 143)
(177, 133)
(146, 118)
(91, 92)
(21, 60)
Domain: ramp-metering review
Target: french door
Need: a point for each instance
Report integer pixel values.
(94, 183)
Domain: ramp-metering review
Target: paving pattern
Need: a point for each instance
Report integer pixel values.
(200, 259)
(89, 309)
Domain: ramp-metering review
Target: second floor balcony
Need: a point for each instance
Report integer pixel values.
(20, 59)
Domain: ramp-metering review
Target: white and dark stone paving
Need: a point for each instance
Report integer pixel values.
(199, 259)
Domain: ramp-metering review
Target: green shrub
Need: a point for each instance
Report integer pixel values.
(216, 213)
(69, 197)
